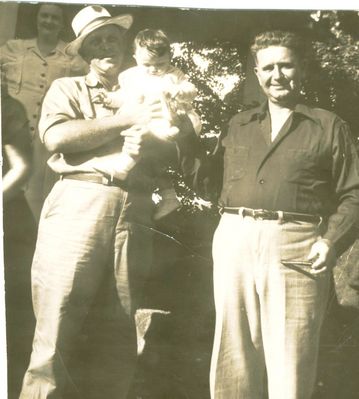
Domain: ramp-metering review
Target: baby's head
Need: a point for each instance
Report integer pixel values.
(152, 51)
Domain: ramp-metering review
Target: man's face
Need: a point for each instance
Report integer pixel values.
(49, 20)
(153, 64)
(279, 74)
(104, 47)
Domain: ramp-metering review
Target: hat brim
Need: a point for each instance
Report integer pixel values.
(123, 21)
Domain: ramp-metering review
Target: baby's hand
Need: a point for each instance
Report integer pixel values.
(186, 92)
(108, 99)
(99, 98)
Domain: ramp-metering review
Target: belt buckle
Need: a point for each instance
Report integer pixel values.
(106, 181)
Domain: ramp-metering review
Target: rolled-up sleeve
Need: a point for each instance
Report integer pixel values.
(60, 105)
(345, 177)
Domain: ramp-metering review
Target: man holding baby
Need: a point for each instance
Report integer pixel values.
(95, 228)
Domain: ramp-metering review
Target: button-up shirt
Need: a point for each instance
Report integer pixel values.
(29, 74)
(69, 99)
(311, 167)
(73, 99)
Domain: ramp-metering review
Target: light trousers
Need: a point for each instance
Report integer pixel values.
(268, 316)
(85, 243)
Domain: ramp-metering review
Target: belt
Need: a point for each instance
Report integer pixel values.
(93, 178)
(263, 214)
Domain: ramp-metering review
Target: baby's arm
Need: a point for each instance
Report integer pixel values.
(186, 92)
(112, 99)
(181, 96)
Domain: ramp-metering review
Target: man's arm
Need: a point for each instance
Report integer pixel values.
(345, 182)
(19, 170)
(16, 147)
(63, 128)
(182, 153)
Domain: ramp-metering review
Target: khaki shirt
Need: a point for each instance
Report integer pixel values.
(72, 99)
(29, 74)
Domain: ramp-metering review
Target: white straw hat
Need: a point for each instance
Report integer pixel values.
(91, 18)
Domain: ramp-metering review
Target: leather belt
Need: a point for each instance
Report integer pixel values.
(263, 214)
(93, 178)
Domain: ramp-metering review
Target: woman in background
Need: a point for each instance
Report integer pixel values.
(29, 68)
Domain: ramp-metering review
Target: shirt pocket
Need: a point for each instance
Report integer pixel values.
(235, 162)
(299, 166)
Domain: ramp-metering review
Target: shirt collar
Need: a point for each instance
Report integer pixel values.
(60, 47)
(260, 112)
(257, 113)
(307, 112)
(92, 80)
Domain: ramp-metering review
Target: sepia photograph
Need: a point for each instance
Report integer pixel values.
(180, 198)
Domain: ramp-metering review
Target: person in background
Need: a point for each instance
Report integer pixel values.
(29, 67)
(95, 232)
(289, 205)
(19, 237)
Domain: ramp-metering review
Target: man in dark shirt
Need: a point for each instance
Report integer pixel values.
(290, 200)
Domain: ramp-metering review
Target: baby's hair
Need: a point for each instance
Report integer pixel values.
(154, 40)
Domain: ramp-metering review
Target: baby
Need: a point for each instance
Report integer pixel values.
(153, 79)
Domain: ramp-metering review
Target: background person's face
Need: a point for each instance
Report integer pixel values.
(49, 20)
(104, 47)
(279, 74)
(153, 64)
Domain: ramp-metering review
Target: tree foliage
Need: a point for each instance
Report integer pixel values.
(217, 69)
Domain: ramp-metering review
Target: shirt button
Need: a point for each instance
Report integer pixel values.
(261, 181)
(43, 75)
(32, 128)
(41, 86)
(38, 104)
(44, 64)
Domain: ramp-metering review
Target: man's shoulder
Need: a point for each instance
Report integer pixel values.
(68, 85)
(246, 116)
(69, 81)
(319, 115)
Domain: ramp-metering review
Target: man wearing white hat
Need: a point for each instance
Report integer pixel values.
(94, 230)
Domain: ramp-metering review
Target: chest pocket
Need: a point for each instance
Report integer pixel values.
(235, 162)
(299, 165)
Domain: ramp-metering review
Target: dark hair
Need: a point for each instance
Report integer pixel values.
(280, 38)
(154, 40)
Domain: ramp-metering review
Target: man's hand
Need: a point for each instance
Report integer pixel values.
(136, 138)
(323, 256)
(140, 113)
